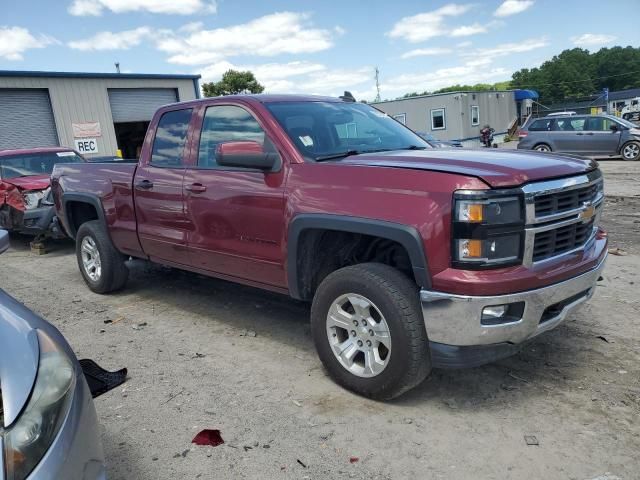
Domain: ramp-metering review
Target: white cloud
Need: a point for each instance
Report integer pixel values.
(14, 41)
(504, 49)
(182, 7)
(511, 7)
(468, 30)
(593, 39)
(112, 40)
(427, 25)
(468, 73)
(426, 52)
(274, 34)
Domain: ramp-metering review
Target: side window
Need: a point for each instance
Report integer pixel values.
(599, 124)
(570, 124)
(227, 123)
(542, 125)
(475, 115)
(438, 121)
(171, 136)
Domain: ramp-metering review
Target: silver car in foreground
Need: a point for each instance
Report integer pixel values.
(590, 135)
(48, 423)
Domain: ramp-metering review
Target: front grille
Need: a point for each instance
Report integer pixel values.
(563, 201)
(550, 243)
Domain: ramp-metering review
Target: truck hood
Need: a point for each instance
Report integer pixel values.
(19, 355)
(497, 168)
(32, 182)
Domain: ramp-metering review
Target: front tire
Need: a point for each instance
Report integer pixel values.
(101, 265)
(368, 329)
(631, 151)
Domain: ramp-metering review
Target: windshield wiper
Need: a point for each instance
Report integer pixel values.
(333, 156)
(413, 147)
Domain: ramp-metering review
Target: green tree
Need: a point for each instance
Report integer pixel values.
(232, 82)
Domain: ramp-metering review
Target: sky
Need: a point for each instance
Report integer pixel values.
(318, 47)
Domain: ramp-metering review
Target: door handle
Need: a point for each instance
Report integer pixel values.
(589, 133)
(579, 133)
(196, 188)
(144, 185)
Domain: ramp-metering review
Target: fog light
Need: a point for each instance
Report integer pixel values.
(497, 311)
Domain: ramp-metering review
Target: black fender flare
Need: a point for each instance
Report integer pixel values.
(405, 235)
(88, 198)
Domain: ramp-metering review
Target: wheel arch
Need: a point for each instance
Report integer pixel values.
(406, 236)
(70, 203)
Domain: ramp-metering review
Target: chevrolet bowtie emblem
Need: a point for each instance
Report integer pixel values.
(587, 213)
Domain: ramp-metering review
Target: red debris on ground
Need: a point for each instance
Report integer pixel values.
(353, 459)
(211, 438)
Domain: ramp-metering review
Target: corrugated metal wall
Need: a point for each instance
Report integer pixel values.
(79, 100)
(138, 104)
(26, 119)
(497, 109)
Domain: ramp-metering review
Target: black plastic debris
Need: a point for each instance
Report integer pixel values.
(100, 380)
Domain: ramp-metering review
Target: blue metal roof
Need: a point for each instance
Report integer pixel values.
(525, 94)
(27, 73)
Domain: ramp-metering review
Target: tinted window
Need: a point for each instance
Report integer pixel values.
(599, 124)
(35, 163)
(171, 136)
(475, 115)
(542, 125)
(570, 124)
(226, 123)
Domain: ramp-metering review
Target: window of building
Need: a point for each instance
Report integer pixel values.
(475, 115)
(226, 123)
(171, 136)
(438, 121)
(401, 117)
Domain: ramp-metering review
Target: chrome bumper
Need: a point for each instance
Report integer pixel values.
(456, 319)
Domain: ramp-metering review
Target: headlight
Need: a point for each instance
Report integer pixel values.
(32, 199)
(488, 228)
(32, 434)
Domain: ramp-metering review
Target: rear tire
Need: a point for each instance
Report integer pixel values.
(102, 266)
(380, 326)
(630, 151)
(542, 147)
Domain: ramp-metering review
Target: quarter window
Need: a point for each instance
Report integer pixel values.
(226, 123)
(171, 137)
(475, 115)
(438, 121)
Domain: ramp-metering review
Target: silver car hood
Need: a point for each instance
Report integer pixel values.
(19, 356)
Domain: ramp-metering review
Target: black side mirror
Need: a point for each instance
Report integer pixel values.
(4, 240)
(614, 127)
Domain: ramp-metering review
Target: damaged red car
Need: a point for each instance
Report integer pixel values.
(26, 204)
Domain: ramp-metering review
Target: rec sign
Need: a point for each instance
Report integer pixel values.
(86, 145)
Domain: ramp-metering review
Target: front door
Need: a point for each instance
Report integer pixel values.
(158, 194)
(236, 214)
(603, 140)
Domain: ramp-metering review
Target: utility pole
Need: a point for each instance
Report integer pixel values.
(117, 64)
(377, 84)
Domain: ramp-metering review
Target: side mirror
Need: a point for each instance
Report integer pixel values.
(4, 240)
(245, 154)
(614, 127)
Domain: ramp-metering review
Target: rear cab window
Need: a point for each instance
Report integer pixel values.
(171, 138)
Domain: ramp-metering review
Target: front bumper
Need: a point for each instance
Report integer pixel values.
(455, 320)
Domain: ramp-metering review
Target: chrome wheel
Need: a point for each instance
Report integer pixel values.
(91, 259)
(631, 151)
(543, 148)
(359, 335)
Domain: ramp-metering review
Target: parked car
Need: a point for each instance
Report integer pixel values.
(26, 205)
(48, 423)
(412, 257)
(592, 135)
(437, 143)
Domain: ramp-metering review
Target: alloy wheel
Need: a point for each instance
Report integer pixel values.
(91, 259)
(631, 151)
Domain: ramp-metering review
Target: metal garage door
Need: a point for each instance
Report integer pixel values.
(138, 104)
(26, 119)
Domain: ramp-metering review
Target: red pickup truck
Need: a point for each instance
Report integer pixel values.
(412, 257)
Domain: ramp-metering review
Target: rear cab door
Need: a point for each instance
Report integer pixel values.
(235, 215)
(158, 182)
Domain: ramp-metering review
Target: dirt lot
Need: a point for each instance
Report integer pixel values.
(204, 353)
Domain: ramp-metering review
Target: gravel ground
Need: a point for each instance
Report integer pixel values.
(203, 353)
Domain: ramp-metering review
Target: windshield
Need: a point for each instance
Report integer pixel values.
(24, 165)
(322, 130)
(626, 123)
